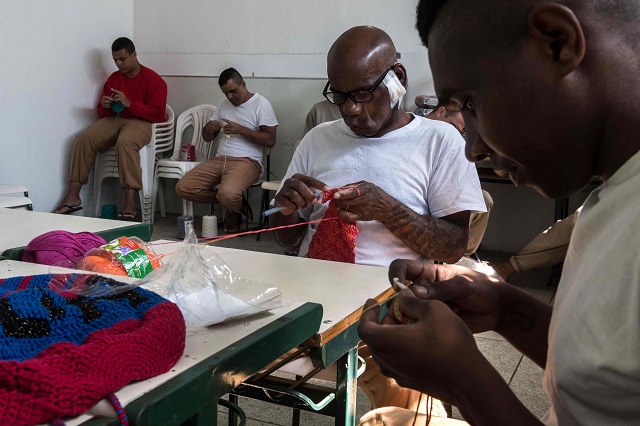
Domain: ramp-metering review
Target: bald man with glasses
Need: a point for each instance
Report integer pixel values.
(415, 188)
(412, 191)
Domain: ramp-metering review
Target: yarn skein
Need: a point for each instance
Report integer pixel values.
(54, 247)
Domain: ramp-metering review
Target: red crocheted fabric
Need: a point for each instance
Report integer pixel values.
(61, 353)
(334, 239)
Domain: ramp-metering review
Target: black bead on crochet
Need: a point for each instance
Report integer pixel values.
(17, 327)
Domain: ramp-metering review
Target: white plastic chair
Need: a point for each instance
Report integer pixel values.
(173, 168)
(106, 165)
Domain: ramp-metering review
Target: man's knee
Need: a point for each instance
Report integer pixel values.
(182, 190)
(229, 197)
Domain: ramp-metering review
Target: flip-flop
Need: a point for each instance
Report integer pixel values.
(127, 217)
(70, 209)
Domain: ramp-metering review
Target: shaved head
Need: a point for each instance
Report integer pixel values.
(364, 45)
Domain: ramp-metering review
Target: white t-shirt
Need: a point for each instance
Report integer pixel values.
(256, 112)
(422, 165)
(593, 363)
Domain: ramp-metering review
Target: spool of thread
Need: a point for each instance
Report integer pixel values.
(209, 226)
(109, 211)
(183, 222)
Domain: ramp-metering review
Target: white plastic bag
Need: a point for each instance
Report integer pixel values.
(205, 289)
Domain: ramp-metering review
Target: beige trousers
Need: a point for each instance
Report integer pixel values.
(128, 135)
(231, 175)
(478, 225)
(547, 248)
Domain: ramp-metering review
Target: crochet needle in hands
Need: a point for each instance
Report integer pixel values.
(269, 212)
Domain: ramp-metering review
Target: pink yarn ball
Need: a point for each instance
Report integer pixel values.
(54, 247)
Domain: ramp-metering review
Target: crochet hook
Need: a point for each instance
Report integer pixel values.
(271, 211)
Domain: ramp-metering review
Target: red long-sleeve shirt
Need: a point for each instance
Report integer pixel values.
(147, 93)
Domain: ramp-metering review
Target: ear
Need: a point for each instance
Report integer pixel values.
(441, 112)
(401, 73)
(559, 35)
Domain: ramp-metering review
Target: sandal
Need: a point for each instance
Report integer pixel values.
(232, 223)
(127, 217)
(67, 209)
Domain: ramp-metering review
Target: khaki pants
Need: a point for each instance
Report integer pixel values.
(478, 225)
(231, 175)
(547, 248)
(128, 135)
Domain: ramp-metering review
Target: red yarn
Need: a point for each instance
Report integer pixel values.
(54, 247)
(334, 239)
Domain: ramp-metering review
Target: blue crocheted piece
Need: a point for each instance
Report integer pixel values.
(34, 317)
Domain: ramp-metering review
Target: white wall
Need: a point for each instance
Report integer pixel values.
(55, 57)
(283, 39)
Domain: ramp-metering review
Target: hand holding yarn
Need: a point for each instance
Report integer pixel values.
(297, 193)
(231, 127)
(118, 96)
(364, 201)
(105, 102)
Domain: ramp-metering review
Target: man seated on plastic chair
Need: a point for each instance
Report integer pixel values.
(132, 98)
(249, 125)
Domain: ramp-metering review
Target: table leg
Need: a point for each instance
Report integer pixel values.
(346, 386)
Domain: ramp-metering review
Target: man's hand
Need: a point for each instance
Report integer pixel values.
(473, 296)
(105, 102)
(231, 127)
(297, 193)
(364, 201)
(434, 355)
(213, 126)
(117, 95)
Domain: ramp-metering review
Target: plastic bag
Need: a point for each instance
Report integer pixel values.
(124, 256)
(205, 289)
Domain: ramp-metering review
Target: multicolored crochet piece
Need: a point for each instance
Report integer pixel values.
(334, 239)
(61, 353)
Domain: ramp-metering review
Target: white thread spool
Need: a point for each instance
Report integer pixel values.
(209, 226)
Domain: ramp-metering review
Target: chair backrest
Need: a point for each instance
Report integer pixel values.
(195, 117)
(162, 134)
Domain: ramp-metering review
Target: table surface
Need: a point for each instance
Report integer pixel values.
(19, 227)
(341, 288)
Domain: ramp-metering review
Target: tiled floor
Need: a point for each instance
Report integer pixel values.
(523, 376)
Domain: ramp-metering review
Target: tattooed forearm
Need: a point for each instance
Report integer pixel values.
(432, 238)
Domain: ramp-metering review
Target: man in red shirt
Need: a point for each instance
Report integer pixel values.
(132, 98)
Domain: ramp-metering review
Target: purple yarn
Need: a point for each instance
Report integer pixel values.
(54, 247)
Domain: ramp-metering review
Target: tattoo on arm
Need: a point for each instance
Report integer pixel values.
(430, 237)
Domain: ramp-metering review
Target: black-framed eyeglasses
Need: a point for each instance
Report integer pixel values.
(359, 96)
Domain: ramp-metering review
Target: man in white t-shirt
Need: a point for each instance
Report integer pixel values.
(249, 126)
(415, 189)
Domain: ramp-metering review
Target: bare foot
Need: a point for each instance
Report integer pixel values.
(505, 269)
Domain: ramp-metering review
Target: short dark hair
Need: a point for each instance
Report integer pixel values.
(123, 43)
(513, 15)
(229, 74)
(427, 12)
